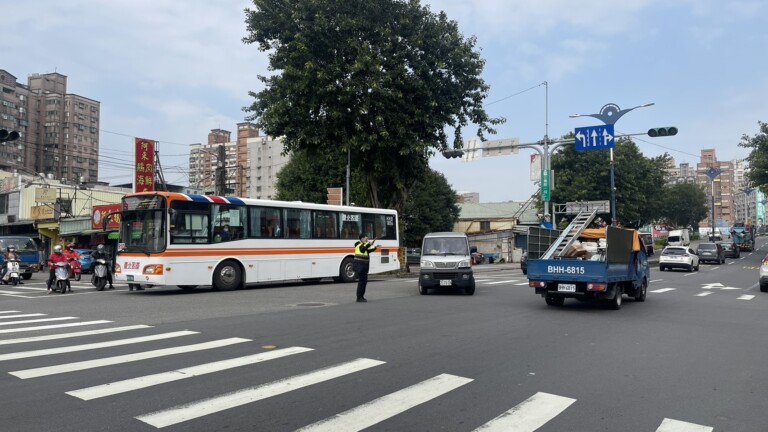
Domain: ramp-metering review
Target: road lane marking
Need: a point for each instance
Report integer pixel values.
(669, 425)
(22, 316)
(69, 335)
(36, 320)
(730, 263)
(746, 297)
(656, 280)
(132, 384)
(483, 280)
(378, 410)
(5, 312)
(96, 345)
(529, 415)
(704, 294)
(182, 413)
(715, 268)
(30, 288)
(53, 326)
(501, 282)
(663, 290)
(108, 361)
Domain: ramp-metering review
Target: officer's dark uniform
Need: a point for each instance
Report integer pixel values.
(362, 265)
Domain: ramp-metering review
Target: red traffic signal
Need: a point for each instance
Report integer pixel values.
(662, 131)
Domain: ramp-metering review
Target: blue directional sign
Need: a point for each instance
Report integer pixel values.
(594, 138)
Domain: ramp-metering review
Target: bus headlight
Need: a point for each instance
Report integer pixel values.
(153, 269)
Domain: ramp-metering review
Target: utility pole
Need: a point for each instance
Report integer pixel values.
(221, 172)
(159, 172)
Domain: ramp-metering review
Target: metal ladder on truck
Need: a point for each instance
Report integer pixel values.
(578, 224)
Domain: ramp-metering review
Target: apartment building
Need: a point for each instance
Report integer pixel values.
(59, 130)
(266, 162)
(723, 187)
(684, 173)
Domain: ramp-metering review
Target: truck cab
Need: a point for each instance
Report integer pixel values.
(446, 263)
(27, 250)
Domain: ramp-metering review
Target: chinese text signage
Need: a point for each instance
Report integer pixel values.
(144, 180)
(101, 211)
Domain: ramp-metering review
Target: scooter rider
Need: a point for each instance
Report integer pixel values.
(101, 253)
(10, 254)
(56, 257)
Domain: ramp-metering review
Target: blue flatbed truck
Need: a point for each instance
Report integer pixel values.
(622, 268)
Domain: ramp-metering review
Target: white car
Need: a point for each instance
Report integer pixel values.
(764, 275)
(680, 257)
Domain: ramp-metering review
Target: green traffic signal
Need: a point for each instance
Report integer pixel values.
(662, 131)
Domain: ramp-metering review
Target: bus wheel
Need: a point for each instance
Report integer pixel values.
(227, 276)
(347, 272)
(187, 287)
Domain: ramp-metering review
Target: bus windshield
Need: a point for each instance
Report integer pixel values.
(143, 231)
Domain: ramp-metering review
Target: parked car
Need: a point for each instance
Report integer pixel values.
(524, 263)
(731, 249)
(678, 257)
(711, 252)
(764, 275)
(413, 255)
(86, 260)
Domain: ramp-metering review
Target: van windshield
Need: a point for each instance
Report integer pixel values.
(445, 246)
(673, 239)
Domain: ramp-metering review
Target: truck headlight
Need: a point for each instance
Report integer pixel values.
(427, 264)
(464, 264)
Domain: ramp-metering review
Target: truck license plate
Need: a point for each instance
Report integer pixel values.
(445, 282)
(130, 278)
(566, 287)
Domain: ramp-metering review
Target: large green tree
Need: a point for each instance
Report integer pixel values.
(585, 176)
(758, 157)
(683, 204)
(431, 207)
(382, 79)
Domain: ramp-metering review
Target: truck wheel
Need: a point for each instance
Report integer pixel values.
(554, 301)
(470, 290)
(640, 295)
(615, 303)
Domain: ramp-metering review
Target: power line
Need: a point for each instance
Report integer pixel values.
(515, 94)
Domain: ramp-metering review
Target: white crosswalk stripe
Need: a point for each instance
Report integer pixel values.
(670, 425)
(380, 409)
(746, 297)
(502, 282)
(704, 294)
(166, 377)
(53, 326)
(75, 348)
(71, 335)
(205, 407)
(21, 316)
(529, 415)
(109, 361)
(36, 321)
(663, 290)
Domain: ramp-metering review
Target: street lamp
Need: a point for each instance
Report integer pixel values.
(712, 173)
(610, 114)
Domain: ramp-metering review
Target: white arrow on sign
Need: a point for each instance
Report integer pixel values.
(594, 138)
(580, 136)
(718, 286)
(607, 137)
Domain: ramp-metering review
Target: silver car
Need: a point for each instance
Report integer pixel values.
(678, 257)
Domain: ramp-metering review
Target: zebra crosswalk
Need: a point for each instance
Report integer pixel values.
(528, 414)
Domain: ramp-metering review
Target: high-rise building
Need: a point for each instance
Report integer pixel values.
(266, 162)
(684, 173)
(59, 130)
(723, 188)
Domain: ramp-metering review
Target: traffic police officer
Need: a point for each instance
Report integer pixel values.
(362, 264)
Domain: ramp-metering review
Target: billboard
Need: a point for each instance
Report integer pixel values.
(144, 179)
(100, 211)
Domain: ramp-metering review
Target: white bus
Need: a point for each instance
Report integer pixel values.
(193, 240)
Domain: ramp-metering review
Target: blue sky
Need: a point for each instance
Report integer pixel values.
(171, 71)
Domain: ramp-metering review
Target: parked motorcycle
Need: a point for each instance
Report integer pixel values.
(12, 274)
(99, 279)
(75, 269)
(61, 284)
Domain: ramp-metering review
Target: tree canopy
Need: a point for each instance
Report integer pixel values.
(683, 204)
(758, 157)
(585, 176)
(382, 79)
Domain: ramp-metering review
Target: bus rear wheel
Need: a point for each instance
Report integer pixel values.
(227, 276)
(347, 272)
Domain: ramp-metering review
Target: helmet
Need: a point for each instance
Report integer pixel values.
(57, 248)
(100, 248)
(11, 248)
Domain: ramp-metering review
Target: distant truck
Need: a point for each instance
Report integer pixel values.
(619, 268)
(744, 236)
(679, 238)
(27, 250)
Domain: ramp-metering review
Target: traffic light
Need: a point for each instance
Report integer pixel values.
(455, 153)
(6, 135)
(662, 132)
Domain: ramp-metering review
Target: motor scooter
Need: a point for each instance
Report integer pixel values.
(61, 282)
(99, 279)
(12, 272)
(75, 269)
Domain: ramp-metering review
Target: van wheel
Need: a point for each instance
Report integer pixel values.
(347, 271)
(227, 276)
(470, 290)
(423, 290)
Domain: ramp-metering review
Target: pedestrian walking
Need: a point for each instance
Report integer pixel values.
(362, 264)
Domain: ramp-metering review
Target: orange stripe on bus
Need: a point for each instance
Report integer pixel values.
(252, 251)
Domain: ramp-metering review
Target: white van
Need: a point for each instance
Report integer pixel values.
(445, 263)
(679, 238)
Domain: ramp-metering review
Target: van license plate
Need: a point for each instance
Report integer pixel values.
(566, 287)
(445, 282)
(130, 278)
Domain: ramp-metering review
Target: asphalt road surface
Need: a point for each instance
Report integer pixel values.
(286, 357)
